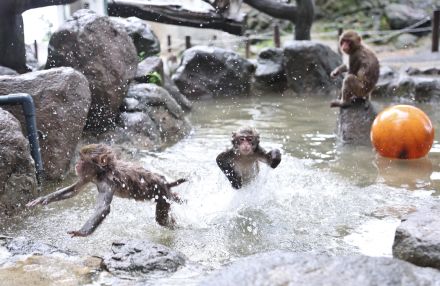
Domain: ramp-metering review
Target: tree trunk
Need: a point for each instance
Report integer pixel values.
(300, 15)
(12, 47)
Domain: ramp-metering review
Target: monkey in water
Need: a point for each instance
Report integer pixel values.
(240, 163)
(98, 164)
(363, 71)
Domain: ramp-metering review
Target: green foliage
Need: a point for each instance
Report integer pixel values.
(154, 77)
(142, 55)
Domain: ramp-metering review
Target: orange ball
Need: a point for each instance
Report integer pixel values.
(402, 132)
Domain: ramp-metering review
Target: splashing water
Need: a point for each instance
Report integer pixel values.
(322, 198)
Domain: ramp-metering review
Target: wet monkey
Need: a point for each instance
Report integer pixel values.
(362, 70)
(98, 164)
(240, 163)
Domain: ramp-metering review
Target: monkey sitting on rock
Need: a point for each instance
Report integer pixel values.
(240, 163)
(362, 71)
(98, 165)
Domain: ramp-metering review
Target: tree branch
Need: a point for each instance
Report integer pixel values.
(19, 6)
(175, 15)
(274, 9)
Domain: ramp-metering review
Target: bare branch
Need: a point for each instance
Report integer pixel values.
(175, 15)
(275, 9)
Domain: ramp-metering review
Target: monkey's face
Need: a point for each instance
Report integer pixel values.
(350, 42)
(246, 144)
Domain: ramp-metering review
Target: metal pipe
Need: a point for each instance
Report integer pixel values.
(27, 103)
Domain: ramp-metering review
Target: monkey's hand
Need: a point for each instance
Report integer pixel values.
(78, 233)
(38, 201)
(275, 158)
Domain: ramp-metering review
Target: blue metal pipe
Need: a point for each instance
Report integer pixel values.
(28, 106)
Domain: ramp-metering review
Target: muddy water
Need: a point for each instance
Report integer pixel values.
(323, 197)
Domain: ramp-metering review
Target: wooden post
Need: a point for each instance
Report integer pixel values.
(36, 49)
(435, 30)
(276, 36)
(188, 42)
(247, 43)
(169, 43)
(340, 31)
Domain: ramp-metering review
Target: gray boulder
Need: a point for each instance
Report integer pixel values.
(417, 238)
(181, 99)
(7, 71)
(401, 16)
(418, 88)
(141, 257)
(27, 262)
(405, 41)
(210, 72)
(270, 74)
(288, 268)
(354, 123)
(149, 117)
(62, 101)
(433, 71)
(104, 53)
(308, 66)
(146, 42)
(18, 183)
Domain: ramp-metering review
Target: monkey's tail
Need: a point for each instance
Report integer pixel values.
(176, 183)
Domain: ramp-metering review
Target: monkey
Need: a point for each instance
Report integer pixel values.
(98, 164)
(240, 163)
(363, 71)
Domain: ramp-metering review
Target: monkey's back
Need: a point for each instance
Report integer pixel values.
(365, 59)
(135, 182)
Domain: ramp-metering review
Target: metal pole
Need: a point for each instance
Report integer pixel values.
(169, 43)
(188, 42)
(276, 36)
(36, 49)
(435, 30)
(247, 42)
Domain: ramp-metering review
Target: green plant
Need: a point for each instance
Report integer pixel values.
(154, 77)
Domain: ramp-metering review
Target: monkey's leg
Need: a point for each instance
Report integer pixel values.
(352, 88)
(102, 209)
(163, 217)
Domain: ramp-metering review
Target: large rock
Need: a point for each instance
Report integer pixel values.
(25, 262)
(7, 71)
(354, 123)
(141, 257)
(270, 73)
(146, 42)
(104, 53)
(288, 268)
(18, 183)
(62, 101)
(210, 72)
(181, 99)
(417, 238)
(401, 16)
(418, 88)
(162, 113)
(308, 66)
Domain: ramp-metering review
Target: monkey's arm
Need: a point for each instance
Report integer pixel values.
(226, 163)
(102, 209)
(271, 158)
(59, 195)
(340, 69)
